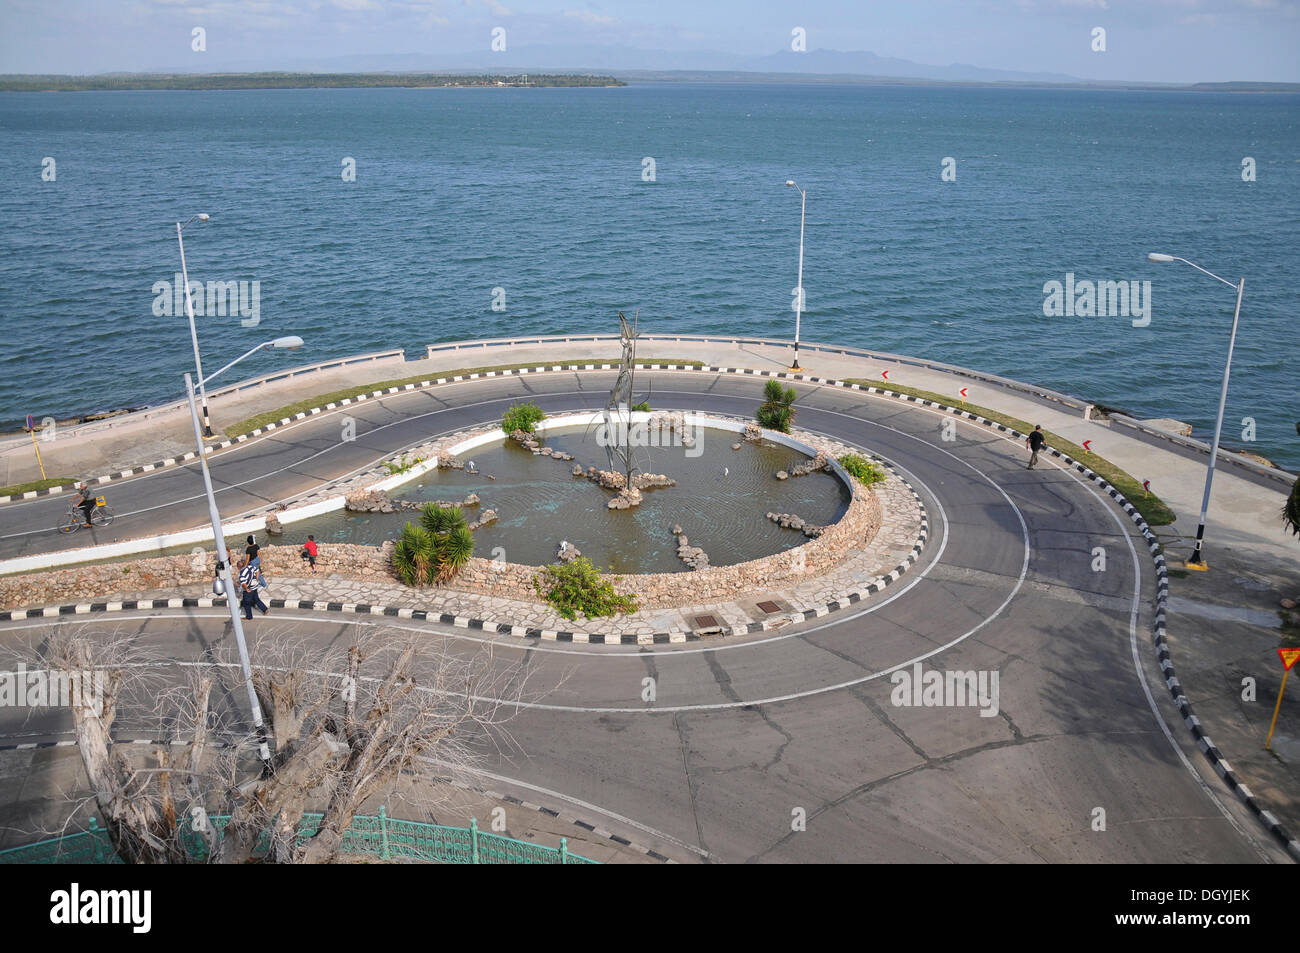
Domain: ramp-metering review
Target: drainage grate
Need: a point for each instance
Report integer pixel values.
(706, 622)
(769, 607)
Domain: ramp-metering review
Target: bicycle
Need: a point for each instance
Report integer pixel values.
(74, 519)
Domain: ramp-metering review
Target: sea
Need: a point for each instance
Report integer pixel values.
(937, 220)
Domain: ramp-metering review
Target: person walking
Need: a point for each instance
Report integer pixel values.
(249, 594)
(1034, 442)
(251, 551)
(253, 557)
(310, 551)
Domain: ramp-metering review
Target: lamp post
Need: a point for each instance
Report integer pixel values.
(1197, 559)
(227, 582)
(798, 301)
(189, 311)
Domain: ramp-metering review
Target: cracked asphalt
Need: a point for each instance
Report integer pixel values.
(788, 746)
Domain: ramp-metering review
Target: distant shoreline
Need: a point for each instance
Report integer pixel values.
(111, 82)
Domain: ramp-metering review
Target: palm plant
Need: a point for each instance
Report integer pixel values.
(414, 555)
(777, 410)
(457, 548)
(435, 549)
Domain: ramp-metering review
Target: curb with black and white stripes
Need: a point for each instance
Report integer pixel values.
(675, 636)
(1212, 753)
(315, 411)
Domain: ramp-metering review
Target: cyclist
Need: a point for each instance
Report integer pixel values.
(85, 502)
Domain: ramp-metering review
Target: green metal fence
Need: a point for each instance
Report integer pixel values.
(370, 835)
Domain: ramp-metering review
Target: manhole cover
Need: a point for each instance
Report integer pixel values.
(769, 607)
(705, 622)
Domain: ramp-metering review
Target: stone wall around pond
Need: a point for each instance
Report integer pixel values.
(850, 535)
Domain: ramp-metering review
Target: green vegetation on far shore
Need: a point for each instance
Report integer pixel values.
(334, 397)
(1152, 508)
(121, 81)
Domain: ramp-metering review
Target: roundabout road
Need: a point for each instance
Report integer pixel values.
(746, 734)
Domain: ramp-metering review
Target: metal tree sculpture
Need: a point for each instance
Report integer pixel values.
(618, 448)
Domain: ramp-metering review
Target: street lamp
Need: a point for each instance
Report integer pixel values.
(223, 558)
(189, 311)
(1197, 560)
(798, 301)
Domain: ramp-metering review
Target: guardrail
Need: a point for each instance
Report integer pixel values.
(369, 835)
(1051, 396)
(1267, 476)
(109, 422)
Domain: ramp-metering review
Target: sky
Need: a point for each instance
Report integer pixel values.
(1174, 41)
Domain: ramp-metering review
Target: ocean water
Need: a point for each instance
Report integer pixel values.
(540, 192)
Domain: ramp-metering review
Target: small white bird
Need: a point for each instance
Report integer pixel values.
(726, 470)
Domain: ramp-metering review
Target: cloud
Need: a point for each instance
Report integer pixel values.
(494, 7)
(594, 19)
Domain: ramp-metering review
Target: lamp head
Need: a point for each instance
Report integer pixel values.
(789, 182)
(1155, 256)
(290, 343)
(203, 216)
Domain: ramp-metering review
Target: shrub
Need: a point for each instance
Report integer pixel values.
(777, 410)
(1291, 512)
(862, 469)
(435, 549)
(402, 465)
(522, 417)
(576, 587)
(644, 406)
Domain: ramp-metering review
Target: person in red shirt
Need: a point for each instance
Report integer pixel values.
(310, 551)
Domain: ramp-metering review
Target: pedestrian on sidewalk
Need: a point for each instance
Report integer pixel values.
(1035, 443)
(309, 552)
(249, 594)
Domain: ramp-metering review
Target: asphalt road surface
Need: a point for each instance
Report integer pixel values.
(747, 735)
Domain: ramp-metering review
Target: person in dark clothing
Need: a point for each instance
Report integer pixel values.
(1035, 443)
(248, 592)
(85, 502)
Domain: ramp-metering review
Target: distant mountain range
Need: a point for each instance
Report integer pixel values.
(630, 63)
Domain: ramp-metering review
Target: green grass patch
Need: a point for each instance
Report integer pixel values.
(35, 485)
(334, 397)
(1152, 508)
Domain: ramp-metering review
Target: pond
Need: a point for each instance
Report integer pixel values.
(720, 500)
